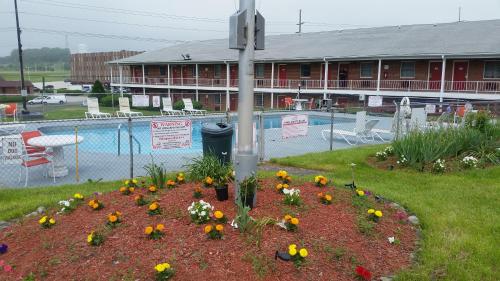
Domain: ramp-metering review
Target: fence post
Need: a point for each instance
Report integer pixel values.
(330, 106)
(398, 119)
(77, 175)
(131, 148)
(262, 138)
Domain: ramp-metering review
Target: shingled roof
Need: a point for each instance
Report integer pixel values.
(458, 39)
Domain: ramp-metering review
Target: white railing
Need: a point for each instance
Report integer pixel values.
(293, 84)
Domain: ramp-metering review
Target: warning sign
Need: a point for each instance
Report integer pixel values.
(12, 150)
(171, 134)
(294, 125)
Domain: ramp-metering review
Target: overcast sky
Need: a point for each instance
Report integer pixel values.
(152, 23)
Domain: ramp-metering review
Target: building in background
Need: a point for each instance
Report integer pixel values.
(88, 67)
(14, 87)
(459, 60)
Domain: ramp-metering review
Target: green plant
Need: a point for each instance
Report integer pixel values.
(98, 88)
(209, 166)
(261, 264)
(243, 220)
(179, 105)
(248, 187)
(157, 173)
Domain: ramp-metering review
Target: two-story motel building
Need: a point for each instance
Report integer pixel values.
(459, 60)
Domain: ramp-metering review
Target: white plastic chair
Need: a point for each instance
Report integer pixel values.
(125, 108)
(93, 110)
(361, 131)
(168, 108)
(188, 108)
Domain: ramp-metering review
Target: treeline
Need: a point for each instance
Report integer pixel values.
(43, 59)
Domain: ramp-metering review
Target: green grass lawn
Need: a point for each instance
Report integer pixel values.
(50, 76)
(78, 112)
(459, 212)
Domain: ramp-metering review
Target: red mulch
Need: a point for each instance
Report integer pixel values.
(61, 253)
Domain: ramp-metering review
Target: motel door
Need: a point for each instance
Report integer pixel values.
(233, 76)
(343, 75)
(233, 102)
(282, 76)
(185, 69)
(435, 71)
(176, 75)
(138, 75)
(460, 75)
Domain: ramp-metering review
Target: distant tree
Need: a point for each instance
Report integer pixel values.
(98, 88)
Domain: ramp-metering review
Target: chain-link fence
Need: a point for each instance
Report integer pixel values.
(56, 152)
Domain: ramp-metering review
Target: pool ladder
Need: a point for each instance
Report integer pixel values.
(118, 135)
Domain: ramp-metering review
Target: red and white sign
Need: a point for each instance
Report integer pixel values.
(171, 134)
(294, 125)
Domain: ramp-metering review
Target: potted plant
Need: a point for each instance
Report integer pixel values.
(248, 188)
(221, 188)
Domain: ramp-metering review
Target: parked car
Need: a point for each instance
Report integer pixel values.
(55, 99)
(86, 88)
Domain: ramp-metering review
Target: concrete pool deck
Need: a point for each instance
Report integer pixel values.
(109, 166)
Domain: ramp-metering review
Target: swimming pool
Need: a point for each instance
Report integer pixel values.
(104, 138)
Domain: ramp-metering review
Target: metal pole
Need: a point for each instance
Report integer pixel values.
(378, 74)
(228, 103)
(21, 65)
(272, 85)
(197, 94)
(77, 175)
(330, 103)
(398, 119)
(261, 137)
(143, 80)
(246, 159)
(120, 70)
(130, 138)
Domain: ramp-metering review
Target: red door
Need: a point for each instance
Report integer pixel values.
(435, 71)
(233, 102)
(176, 75)
(233, 76)
(282, 75)
(460, 69)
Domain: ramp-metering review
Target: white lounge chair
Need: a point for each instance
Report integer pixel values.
(189, 109)
(125, 108)
(93, 110)
(168, 108)
(361, 131)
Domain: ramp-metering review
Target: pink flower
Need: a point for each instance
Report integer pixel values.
(2, 262)
(7, 268)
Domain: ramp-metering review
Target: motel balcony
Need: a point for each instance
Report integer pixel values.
(461, 89)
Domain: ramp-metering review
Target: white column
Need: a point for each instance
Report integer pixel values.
(120, 70)
(443, 73)
(197, 82)
(143, 81)
(272, 85)
(378, 74)
(168, 79)
(228, 104)
(111, 75)
(325, 78)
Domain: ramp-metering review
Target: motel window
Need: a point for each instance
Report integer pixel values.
(217, 99)
(259, 100)
(305, 70)
(146, 70)
(163, 70)
(217, 70)
(193, 70)
(408, 69)
(366, 70)
(259, 70)
(492, 70)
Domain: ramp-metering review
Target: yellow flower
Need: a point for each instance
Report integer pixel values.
(288, 217)
(218, 215)
(160, 227)
(170, 182)
(91, 203)
(378, 214)
(162, 267)
(292, 246)
(131, 189)
(148, 230)
(126, 182)
(360, 192)
(112, 218)
(43, 220)
(118, 213)
(90, 237)
(209, 180)
(279, 186)
(123, 189)
(153, 206)
(328, 197)
(292, 251)
(303, 252)
(219, 227)
(208, 228)
(134, 181)
(78, 196)
(371, 211)
(52, 221)
(286, 186)
(294, 221)
(95, 206)
(152, 188)
(180, 174)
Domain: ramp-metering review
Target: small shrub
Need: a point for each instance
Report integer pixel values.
(469, 162)
(157, 173)
(381, 156)
(439, 166)
(292, 197)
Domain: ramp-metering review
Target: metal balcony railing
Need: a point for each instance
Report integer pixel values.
(293, 84)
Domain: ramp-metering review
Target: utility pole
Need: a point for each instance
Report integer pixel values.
(21, 67)
(459, 13)
(300, 22)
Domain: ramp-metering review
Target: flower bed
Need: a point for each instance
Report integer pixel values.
(330, 233)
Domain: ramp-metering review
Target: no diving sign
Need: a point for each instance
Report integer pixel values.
(12, 150)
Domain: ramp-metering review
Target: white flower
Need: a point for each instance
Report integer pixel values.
(391, 239)
(203, 213)
(286, 191)
(193, 212)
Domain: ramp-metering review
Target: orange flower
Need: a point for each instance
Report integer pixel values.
(288, 217)
(95, 206)
(279, 186)
(152, 188)
(294, 221)
(160, 227)
(322, 181)
(123, 189)
(320, 195)
(91, 203)
(148, 230)
(153, 206)
(170, 182)
(138, 197)
(328, 197)
(219, 227)
(218, 214)
(112, 218)
(208, 228)
(209, 180)
(131, 189)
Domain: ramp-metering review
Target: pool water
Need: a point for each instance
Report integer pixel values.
(104, 138)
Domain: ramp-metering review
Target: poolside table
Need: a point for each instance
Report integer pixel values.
(299, 102)
(57, 143)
